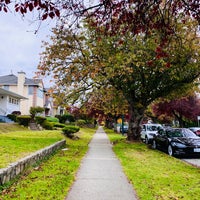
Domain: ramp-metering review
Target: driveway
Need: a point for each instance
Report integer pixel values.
(193, 161)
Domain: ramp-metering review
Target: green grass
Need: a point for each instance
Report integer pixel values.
(18, 144)
(53, 177)
(154, 174)
(6, 128)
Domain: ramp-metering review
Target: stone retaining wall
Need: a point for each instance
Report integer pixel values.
(14, 169)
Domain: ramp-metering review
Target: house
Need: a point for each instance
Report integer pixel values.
(19, 93)
(9, 102)
(51, 107)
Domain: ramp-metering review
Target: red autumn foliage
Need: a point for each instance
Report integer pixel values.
(186, 107)
(139, 15)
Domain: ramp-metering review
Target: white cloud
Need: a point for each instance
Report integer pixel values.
(19, 45)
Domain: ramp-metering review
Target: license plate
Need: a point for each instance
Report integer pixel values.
(197, 150)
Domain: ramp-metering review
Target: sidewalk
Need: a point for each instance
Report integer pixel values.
(100, 176)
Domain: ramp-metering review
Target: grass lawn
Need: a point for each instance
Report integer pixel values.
(6, 127)
(154, 174)
(52, 178)
(20, 143)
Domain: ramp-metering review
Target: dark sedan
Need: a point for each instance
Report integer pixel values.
(177, 142)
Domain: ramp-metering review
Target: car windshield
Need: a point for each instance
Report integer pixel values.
(188, 133)
(195, 129)
(181, 133)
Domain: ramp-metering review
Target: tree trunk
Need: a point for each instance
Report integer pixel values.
(179, 117)
(136, 117)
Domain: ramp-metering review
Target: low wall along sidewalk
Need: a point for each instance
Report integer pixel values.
(14, 169)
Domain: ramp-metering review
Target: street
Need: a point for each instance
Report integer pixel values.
(193, 161)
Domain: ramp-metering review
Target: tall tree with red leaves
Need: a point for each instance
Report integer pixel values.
(186, 108)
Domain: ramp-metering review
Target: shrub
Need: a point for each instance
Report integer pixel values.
(12, 117)
(47, 125)
(70, 130)
(81, 122)
(66, 117)
(40, 119)
(59, 125)
(24, 120)
(71, 124)
(52, 119)
(35, 110)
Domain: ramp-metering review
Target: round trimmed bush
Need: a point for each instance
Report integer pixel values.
(40, 119)
(81, 122)
(23, 119)
(70, 130)
(47, 125)
(59, 125)
(52, 119)
(65, 118)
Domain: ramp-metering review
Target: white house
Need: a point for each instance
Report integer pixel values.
(19, 93)
(9, 102)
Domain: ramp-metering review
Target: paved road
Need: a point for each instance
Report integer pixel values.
(193, 161)
(100, 176)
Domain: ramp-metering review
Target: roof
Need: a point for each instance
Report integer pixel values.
(6, 92)
(12, 80)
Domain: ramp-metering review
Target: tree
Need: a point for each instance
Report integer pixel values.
(138, 47)
(107, 103)
(36, 110)
(142, 67)
(185, 108)
(143, 14)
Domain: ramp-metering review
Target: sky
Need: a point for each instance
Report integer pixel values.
(19, 45)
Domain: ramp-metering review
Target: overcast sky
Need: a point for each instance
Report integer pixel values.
(19, 45)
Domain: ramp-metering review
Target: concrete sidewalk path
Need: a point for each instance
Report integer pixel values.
(100, 176)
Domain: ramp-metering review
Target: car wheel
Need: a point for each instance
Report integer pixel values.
(170, 150)
(154, 145)
(146, 140)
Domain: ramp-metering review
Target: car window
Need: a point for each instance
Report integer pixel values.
(169, 133)
(161, 132)
(174, 133)
(188, 133)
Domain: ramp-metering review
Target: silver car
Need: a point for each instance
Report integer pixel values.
(148, 131)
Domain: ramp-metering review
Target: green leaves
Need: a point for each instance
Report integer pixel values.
(139, 67)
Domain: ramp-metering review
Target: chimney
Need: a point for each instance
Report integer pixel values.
(20, 82)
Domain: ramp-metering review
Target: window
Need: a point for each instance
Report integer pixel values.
(13, 101)
(40, 93)
(30, 90)
(6, 87)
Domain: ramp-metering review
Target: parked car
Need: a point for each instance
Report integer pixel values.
(148, 131)
(125, 128)
(177, 142)
(196, 130)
